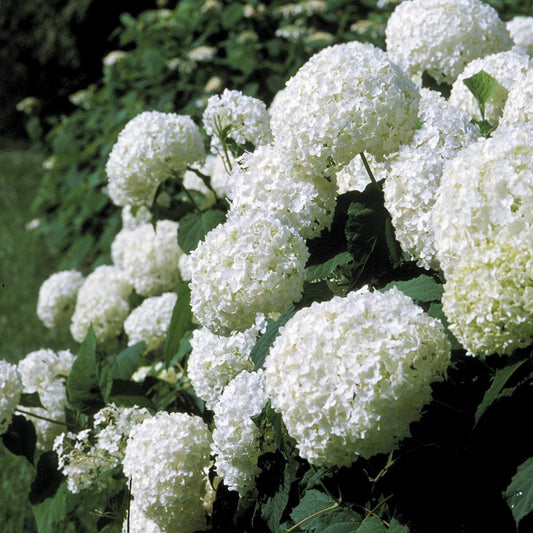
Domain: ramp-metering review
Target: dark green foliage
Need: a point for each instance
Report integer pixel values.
(20, 437)
(180, 323)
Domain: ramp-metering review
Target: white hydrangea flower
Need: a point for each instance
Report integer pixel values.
(138, 522)
(221, 176)
(57, 298)
(149, 321)
(519, 104)
(133, 216)
(237, 441)
(193, 182)
(45, 372)
(441, 36)
(119, 246)
(152, 147)
(349, 375)
(150, 257)
(103, 302)
(483, 221)
(348, 98)
(185, 265)
(215, 360)
(165, 459)
(354, 177)
(246, 116)
(414, 174)
(158, 370)
(505, 67)
(521, 31)
(260, 268)
(10, 391)
(263, 183)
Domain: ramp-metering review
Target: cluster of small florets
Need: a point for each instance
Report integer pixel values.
(260, 268)
(215, 360)
(264, 184)
(152, 147)
(149, 321)
(505, 67)
(350, 375)
(45, 372)
(57, 298)
(519, 105)
(346, 99)
(103, 302)
(521, 31)
(150, 257)
(165, 460)
(237, 440)
(243, 119)
(483, 234)
(440, 37)
(10, 392)
(354, 176)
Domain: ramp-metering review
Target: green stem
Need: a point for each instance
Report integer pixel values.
(204, 177)
(367, 167)
(27, 413)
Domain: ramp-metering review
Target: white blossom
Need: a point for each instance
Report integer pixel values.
(521, 31)
(10, 391)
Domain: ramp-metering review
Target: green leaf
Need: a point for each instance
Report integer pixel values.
(435, 311)
(47, 479)
(231, 15)
(421, 289)
(83, 387)
(52, 512)
(396, 527)
(343, 527)
(482, 86)
(264, 342)
(129, 394)
(314, 292)
(270, 418)
(32, 399)
(496, 390)
(195, 226)
(126, 362)
(485, 127)
(20, 437)
(180, 323)
(183, 350)
(322, 271)
(372, 525)
(519, 493)
(312, 506)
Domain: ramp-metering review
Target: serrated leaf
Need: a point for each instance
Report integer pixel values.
(324, 270)
(421, 289)
(396, 527)
(496, 390)
(20, 437)
(126, 362)
(482, 86)
(372, 525)
(180, 323)
(30, 399)
(195, 226)
(313, 504)
(264, 342)
(519, 493)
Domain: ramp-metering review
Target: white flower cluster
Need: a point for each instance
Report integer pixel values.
(150, 256)
(85, 456)
(264, 184)
(10, 391)
(103, 302)
(260, 268)
(346, 99)
(441, 36)
(149, 321)
(152, 147)
(414, 174)
(57, 298)
(505, 67)
(165, 459)
(349, 375)
(237, 441)
(215, 360)
(521, 31)
(246, 118)
(133, 216)
(483, 220)
(354, 176)
(46, 372)
(519, 104)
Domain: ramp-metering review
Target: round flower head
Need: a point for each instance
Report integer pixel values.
(150, 321)
(103, 302)
(137, 522)
(46, 372)
(245, 120)
(215, 360)
(10, 391)
(505, 67)
(441, 36)
(263, 183)
(57, 298)
(483, 221)
(150, 257)
(346, 99)
(260, 266)
(236, 438)
(165, 459)
(519, 104)
(349, 375)
(354, 177)
(151, 148)
(521, 31)
(133, 216)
